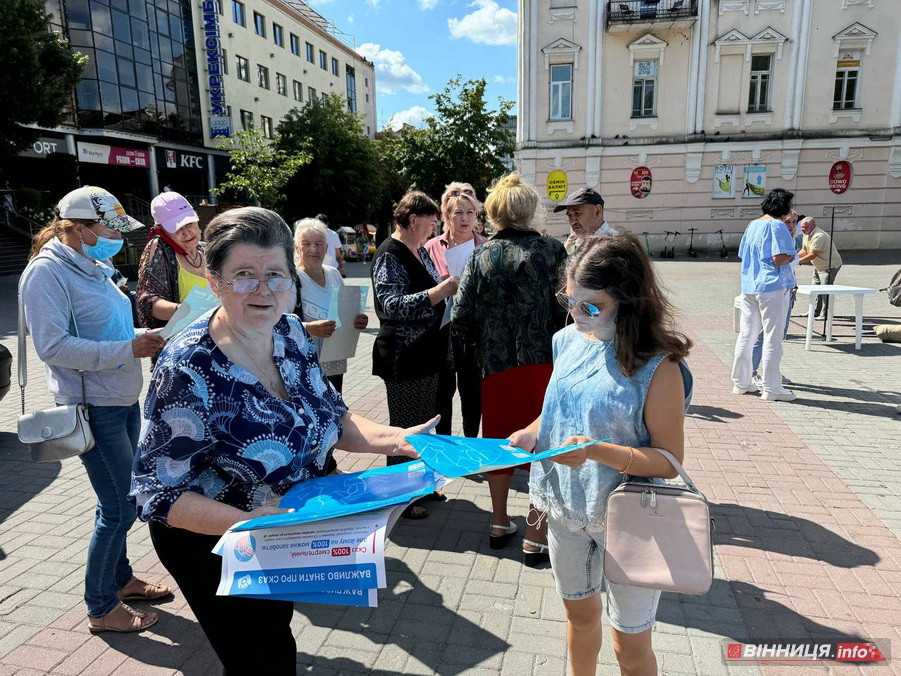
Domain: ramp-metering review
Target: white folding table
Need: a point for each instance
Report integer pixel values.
(834, 290)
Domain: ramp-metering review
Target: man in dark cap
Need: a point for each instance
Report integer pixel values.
(585, 213)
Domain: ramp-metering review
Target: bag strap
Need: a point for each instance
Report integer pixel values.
(22, 345)
(678, 467)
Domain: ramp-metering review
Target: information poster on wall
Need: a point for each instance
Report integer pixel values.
(557, 185)
(640, 182)
(724, 181)
(755, 181)
(840, 177)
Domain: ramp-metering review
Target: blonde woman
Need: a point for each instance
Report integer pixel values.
(317, 284)
(459, 211)
(506, 310)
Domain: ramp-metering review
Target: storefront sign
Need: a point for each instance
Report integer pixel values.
(557, 185)
(44, 146)
(640, 182)
(840, 177)
(176, 159)
(755, 181)
(220, 124)
(97, 153)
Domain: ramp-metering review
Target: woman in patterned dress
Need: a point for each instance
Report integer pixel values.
(238, 412)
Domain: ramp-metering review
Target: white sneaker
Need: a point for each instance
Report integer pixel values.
(783, 395)
(757, 382)
(743, 390)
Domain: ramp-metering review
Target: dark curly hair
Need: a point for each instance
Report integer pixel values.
(644, 320)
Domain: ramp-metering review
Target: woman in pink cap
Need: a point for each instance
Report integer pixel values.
(172, 262)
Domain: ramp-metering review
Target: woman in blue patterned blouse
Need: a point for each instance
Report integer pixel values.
(238, 411)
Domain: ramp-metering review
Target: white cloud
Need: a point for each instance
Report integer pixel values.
(427, 4)
(415, 116)
(374, 3)
(503, 79)
(350, 18)
(490, 24)
(393, 73)
(319, 3)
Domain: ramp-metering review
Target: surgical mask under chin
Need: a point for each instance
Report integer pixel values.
(601, 327)
(103, 249)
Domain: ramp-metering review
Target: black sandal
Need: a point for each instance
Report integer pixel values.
(533, 559)
(499, 536)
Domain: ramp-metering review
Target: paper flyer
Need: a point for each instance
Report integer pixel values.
(458, 256)
(349, 301)
(198, 302)
(339, 561)
(338, 495)
(462, 456)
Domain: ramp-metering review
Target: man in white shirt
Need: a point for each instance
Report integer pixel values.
(585, 212)
(334, 254)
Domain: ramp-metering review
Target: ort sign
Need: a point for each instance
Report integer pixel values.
(840, 177)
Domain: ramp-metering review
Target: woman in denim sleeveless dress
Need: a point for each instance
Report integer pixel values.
(618, 377)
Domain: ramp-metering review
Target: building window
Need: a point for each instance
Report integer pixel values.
(351, 78)
(367, 98)
(561, 91)
(298, 91)
(323, 60)
(311, 53)
(335, 67)
(295, 44)
(266, 126)
(263, 76)
(311, 94)
(281, 84)
(239, 16)
(224, 62)
(644, 89)
(246, 120)
(847, 81)
(366, 82)
(259, 24)
(278, 35)
(243, 69)
(220, 8)
(759, 91)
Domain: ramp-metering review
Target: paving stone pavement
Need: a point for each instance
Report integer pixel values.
(806, 496)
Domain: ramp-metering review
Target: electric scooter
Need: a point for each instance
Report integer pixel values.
(664, 253)
(672, 249)
(724, 252)
(691, 241)
(647, 246)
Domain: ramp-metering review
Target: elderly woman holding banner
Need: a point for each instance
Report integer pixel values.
(238, 412)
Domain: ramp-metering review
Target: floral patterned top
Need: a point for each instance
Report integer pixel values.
(212, 428)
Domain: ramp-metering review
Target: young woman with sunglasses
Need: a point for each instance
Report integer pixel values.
(618, 377)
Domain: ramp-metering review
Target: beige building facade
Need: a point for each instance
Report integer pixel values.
(273, 56)
(682, 113)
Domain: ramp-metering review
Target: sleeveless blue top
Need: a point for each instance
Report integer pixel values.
(588, 395)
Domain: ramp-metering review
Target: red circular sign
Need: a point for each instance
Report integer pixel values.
(640, 182)
(840, 177)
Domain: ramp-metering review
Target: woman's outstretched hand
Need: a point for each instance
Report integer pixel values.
(576, 457)
(525, 439)
(403, 447)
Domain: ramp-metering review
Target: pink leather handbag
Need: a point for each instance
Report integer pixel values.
(659, 535)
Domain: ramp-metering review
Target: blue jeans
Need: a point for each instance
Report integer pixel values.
(758, 346)
(116, 430)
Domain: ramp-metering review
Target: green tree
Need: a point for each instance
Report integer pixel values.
(38, 75)
(341, 179)
(463, 141)
(258, 169)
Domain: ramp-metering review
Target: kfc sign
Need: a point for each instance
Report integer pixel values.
(176, 159)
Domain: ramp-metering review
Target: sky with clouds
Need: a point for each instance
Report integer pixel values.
(418, 45)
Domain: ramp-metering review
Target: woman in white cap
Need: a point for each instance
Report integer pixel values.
(172, 262)
(82, 328)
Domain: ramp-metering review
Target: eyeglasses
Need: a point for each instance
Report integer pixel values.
(586, 308)
(247, 285)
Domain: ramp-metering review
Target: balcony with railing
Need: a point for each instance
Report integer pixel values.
(625, 15)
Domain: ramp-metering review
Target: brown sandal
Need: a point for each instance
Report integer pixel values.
(138, 590)
(122, 619)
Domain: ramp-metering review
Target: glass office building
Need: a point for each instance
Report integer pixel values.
(141, 75)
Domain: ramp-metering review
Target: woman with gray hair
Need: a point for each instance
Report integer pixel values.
(507, 313)
(239, 411)
(317, 284)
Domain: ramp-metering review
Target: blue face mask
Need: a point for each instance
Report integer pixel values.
(103, 249)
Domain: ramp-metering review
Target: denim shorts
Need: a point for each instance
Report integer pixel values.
(577, 558)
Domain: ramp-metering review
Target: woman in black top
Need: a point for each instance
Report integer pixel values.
(411, 348)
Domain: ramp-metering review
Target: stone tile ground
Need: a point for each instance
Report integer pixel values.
(807, 500)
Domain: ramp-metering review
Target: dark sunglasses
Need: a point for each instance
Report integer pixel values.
(586, 308)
